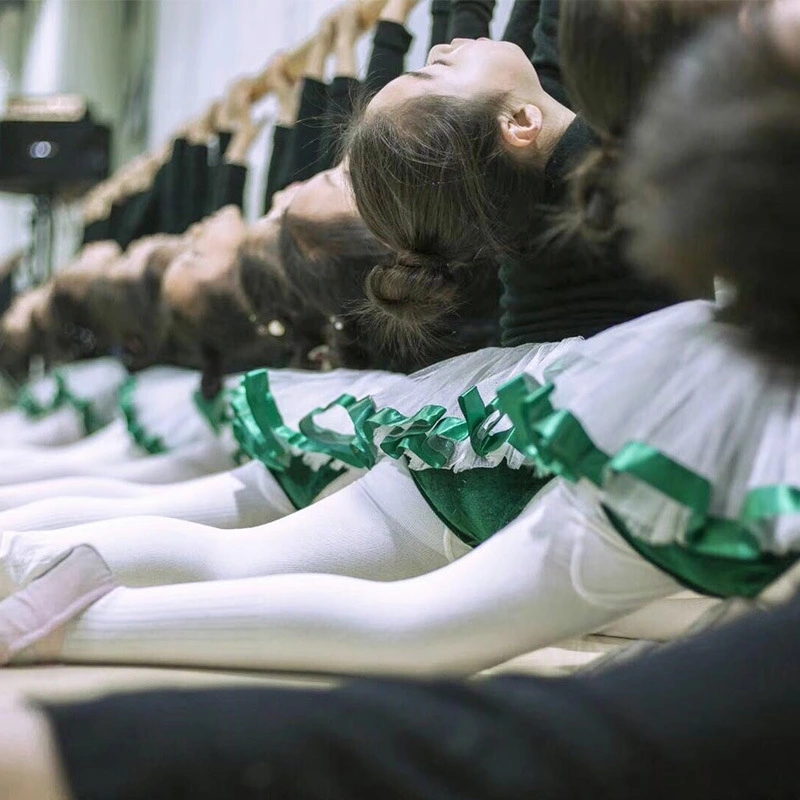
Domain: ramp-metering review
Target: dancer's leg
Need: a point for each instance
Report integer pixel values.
(241, 498)
(559, 570)
(105, 440)
(122, 460)
(378, 528)
(62, 427)
(88, 457)
(189, 462)
(712, 718)
(18, 495)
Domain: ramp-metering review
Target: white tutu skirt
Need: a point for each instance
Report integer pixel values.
(689, 441)
(165, 412)
(82, 395)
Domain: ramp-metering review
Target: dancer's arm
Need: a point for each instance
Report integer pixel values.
(278, 172)
(550, 575)
(230, 175)
(546, 58)
(440, 22)
(170, 188)
(345, 85)
(307, 137)
(521, 24)
(390, 45)
(196, 175)
(471, 19)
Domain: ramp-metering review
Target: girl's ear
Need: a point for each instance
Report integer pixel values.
(522, 128)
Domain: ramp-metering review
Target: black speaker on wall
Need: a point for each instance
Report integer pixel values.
(42, 157)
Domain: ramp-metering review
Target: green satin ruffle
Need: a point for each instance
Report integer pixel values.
(429, 434)
(150, 443)
(258, 424)
(217, 412)
(34, 409)
(262, 435)
(713, 555)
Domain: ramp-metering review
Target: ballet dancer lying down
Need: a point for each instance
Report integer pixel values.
(652, 491)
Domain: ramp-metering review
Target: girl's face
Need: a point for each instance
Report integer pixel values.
(466, 68)
(131, 266)
(97, 257)
(208, 258)
(326, 196)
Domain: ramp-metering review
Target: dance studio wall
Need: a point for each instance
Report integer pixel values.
(101, 49)
(201, 45)
(183, 52)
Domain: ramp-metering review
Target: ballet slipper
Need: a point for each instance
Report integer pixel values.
(32, 617)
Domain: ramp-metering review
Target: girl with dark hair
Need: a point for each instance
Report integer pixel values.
(559, 568)
(438, 421)
(693, 720)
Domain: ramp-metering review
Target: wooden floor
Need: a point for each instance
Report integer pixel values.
(62, 683)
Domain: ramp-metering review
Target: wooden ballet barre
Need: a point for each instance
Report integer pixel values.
(294, 62)
(292, 65)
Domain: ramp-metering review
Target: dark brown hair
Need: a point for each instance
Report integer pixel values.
(327, 263)
(710, 183)
(97, 314)
(19, 343)
(434, 181)
(611, 50)
(233, 329)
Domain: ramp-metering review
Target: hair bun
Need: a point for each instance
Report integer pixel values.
(594, 192)
(409, 297)
(426, 261)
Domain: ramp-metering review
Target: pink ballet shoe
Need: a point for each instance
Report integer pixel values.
(31, 618)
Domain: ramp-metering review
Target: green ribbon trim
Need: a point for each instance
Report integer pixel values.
(150, 443)
(429, 434)
(262, 435)
(35, 410)
(356, 450)
(253, 414)
(718, 556)
(216, 412)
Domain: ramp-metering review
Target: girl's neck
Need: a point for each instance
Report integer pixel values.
(556, 120)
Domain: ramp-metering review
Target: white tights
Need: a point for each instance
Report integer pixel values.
(61, 427)
(111, 445)
(18, 495)
(391, 601)
(241, 498)
(110, 453)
